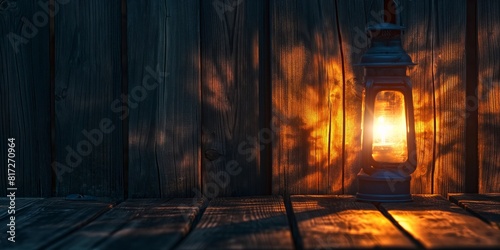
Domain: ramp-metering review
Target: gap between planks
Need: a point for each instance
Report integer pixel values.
(437, 223)
(484, 206)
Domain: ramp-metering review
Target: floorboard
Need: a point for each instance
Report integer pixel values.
(47, 220)
(484, 206)
(134, 224)
(20, 204)
(318, 222)
(437, 223)
(243, 222)
(326, 222)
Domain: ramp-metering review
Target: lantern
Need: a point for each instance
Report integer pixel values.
(388, 133)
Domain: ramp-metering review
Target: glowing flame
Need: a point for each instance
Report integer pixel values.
(381, 130)
(389, 128)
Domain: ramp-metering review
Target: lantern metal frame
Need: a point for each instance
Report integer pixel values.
(385, 64)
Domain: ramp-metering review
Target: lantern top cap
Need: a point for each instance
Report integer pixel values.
(385, 47)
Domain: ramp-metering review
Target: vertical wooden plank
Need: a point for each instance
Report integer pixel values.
(87, 83)
(417, 40)
(449, 82)
(354, 17)
(489, 95)
(307, 95)
(25, 96)
(164, 98)
(230, 93)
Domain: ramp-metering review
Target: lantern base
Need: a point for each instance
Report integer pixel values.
(383, 185)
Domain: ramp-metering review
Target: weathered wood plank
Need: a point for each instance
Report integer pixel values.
(448, 58)
(250, 222)
(47, 220)
(87, 83)
(354, 17)
(25, 96)
(417, 40)
(327, 222)
(488, 93)
(20, 204)
(484, 206)
(230, 87)
(307, 98)
(136, 223)
(164, 97)
(437, 223)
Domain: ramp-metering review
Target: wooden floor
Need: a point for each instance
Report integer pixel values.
(300, 222)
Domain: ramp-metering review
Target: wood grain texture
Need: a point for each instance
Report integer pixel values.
(437, 223)
(354, 17)
(484, 206)
(449, 69)
(137, 223)
(230, 87)
(327, 222)
(236, 223)
(20, 204)
(48, 220)
(25, 96)
(87, 82)
(163, 60)
(488, 93)
(306, 67)
(417, 17)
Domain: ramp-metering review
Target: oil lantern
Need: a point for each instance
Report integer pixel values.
(388, 132)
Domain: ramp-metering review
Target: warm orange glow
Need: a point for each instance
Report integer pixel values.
(389, 128)
(309, 112)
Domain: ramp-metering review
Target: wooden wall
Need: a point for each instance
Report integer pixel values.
(230, 69)
(163, 44)
(88, 135)
(488, 93)
(317, 93)
(435, 39)
(25, 98)
(129, 98)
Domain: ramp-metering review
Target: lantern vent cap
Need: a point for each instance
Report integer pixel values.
(385, 47)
